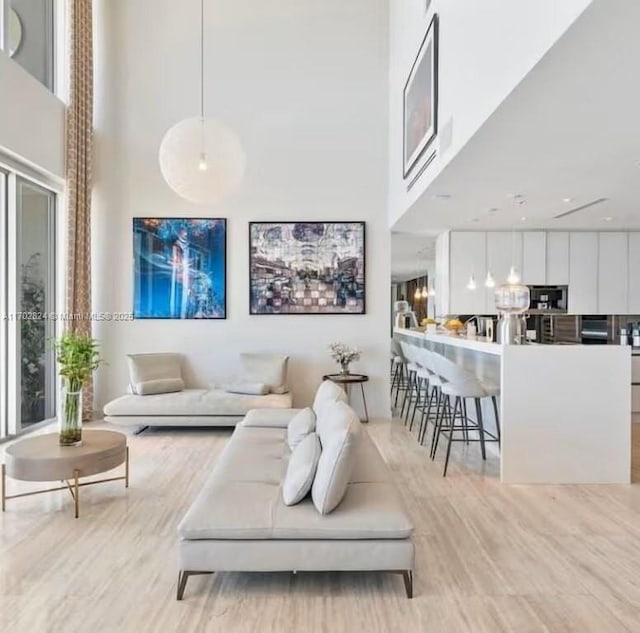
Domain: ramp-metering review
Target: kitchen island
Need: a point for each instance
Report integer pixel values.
(565, 410)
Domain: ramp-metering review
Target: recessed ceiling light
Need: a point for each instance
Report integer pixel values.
(515, 196)
(523, 218)
(607, 218)
(441, 196)
(493, 210)
(567, 200)
(474, 219)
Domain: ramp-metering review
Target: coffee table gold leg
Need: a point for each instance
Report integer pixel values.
(3, 489)
(126, 468)
(76, 492)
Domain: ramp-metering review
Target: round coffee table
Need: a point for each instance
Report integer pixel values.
(41, 458)
(345, 381)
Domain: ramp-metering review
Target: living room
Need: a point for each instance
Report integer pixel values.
(211, 414)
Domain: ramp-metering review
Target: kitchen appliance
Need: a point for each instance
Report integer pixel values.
(594, 329)
(624, 337)
(512, 301)
(404, 316)
(552, 299)
(488, 331)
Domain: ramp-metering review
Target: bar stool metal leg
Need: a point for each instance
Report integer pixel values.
(457, 406)
(494, 401)
(480, 428)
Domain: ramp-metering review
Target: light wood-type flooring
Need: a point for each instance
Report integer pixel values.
(490, 557)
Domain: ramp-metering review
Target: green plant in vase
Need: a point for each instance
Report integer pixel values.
(78, 357)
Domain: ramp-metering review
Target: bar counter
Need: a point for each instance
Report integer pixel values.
(565, 410)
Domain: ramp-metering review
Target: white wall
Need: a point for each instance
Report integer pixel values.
(31, 120)
(304, 84)
(485, 49)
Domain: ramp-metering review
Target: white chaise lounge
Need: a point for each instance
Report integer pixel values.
(158, 396)
(239, 521)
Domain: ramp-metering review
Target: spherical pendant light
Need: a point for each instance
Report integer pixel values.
(202, 160)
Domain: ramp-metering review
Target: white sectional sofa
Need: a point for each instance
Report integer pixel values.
(239, 521)
(190, 407)
(158, 397)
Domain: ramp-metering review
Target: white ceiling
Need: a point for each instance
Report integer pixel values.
(570, 130)
(411, 255)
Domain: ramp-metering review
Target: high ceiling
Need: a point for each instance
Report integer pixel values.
(568, 135)
(411, 255)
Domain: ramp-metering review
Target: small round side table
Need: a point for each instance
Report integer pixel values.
(345, 381)
(41, 458)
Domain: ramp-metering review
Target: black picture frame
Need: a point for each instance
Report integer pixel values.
(224, 303)
(362, 311)
(431, 37)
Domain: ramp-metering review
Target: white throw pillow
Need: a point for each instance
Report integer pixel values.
(338, 438)
(328, 392)
(301, 424)
(155, 373)
(334, 416)
(161, 385)
(247, 388)
(301, 470)
(270, 369)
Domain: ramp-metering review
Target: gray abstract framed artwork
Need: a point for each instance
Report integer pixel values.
(307, 268)
(420, 107)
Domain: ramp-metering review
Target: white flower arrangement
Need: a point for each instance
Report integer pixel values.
(343, 354)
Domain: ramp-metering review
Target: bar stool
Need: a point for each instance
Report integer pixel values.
(460, 385)
(423, 377)
(398, 365)
(408, 353)
(432, 393)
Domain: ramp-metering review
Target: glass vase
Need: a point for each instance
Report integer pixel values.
(344, 368)
(71, 417)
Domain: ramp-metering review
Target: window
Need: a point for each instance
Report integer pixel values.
(27, 360)
(28, 36)
(36, 302)
(3, 304)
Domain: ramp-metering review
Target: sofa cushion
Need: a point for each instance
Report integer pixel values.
(191, 402)
(148, 371)
(272, 418)
(161, 385)
(247, 388)
(367, 511)
(327, 393)
(301, 470)
(301, 424)
(235, 503)
(270, 369)
(339, 440)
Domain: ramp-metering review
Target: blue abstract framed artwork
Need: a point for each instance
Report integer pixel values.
(307, 267)
(180, 268)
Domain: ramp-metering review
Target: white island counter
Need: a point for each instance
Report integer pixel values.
(565, 410)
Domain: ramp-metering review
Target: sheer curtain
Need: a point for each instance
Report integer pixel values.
(79, 151)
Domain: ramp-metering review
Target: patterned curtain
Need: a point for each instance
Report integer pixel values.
(79, 149)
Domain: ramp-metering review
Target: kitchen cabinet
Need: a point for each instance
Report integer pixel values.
(557, 253)
(534, 255)
(613, 272)
(583, 273)
(633, 303)
(601, 269)
(504, 249)
(467, 257)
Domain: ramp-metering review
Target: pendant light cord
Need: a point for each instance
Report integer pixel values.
(202, 60)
